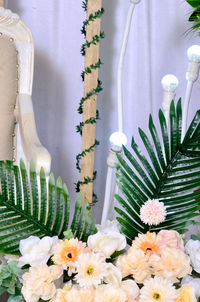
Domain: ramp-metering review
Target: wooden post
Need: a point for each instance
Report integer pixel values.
(1, 2)
(89, 106)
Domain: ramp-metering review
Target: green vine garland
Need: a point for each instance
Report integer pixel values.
(95, 40)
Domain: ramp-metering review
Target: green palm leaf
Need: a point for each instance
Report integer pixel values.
(169, 172)
(31, 205)
(194, 17)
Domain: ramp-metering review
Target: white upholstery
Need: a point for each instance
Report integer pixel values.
(18, 134)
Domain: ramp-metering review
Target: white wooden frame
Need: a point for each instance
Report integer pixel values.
(28, 144)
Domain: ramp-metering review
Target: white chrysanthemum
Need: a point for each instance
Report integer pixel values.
(157, 289)
(91, 269)
(153, 212)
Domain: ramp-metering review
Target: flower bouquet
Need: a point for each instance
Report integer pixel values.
(157, 267)
(47, 259)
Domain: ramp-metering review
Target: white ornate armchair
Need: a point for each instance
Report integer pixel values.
(18, 134)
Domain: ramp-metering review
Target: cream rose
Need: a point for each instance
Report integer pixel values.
(38, 282)
(107, 240)
(131, 289)
(36, 251)
(192, 248)
(110, 293)
(60, 296)
(112, 275)
(76, 294)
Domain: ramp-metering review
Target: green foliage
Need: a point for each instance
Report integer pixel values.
(9, 281)
(29, 206)
(195, 15)
(170, 173)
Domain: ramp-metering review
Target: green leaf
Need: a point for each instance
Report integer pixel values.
(68, 234)
(193, 3)
(15, 298)
(13, 267)
(2, 290)
(172, 170)
(4, 272)
(25, 212)
(195, 237)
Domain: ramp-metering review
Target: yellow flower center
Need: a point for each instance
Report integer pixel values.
(90, 271)
(156, 296)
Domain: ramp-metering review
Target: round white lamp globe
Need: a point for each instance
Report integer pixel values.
(135, 1)
(169, 82)
(117, 139)
(194, 53)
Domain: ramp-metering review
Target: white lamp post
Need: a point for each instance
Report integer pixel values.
(191, 76)
(121, 62)
(169, 83)
(117, 139)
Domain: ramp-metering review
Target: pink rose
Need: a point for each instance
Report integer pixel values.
(170, 238)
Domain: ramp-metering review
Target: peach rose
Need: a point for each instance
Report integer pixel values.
(135, 263)
(38, 282)
(170, 238)
(172, 263)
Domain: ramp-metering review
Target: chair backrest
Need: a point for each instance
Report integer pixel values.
(8, 96)
(16, 77)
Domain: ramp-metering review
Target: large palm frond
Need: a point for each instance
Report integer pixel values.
(170, 173)
(33, 205)
(194, 17)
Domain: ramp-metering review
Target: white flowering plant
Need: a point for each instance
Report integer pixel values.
(157, 267)
(53, 269)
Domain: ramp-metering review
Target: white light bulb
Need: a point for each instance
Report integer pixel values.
(194, 53)
(169, 82)
(117, 139)
(135, 1)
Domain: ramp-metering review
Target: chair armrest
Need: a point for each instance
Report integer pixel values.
(31, 144)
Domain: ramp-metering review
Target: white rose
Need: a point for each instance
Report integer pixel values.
(192, 248)
(36, 251)
(194, 283)
(108, 239)
(131, 289)
(112, 275)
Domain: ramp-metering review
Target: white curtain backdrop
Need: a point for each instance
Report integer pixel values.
(157, 46)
